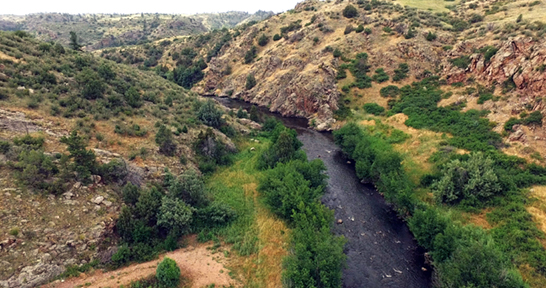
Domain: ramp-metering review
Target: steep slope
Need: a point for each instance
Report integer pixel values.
(61, 191)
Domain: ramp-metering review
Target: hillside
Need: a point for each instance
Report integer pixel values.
(97, 31)
(296, 73)
(74, 130)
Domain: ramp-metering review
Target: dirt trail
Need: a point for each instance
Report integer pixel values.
(197, 263)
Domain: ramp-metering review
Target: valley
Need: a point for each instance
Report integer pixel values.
(337, 144)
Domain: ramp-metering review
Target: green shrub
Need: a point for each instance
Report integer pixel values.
(350, 11)
(210, 115)
(461, 62)
(401, 72)
(250, 81)
(164, 139)
(168, 273)
(389, 91)
(368, 31)
(431, 36)
(485, 97)
(359, 29)
(175, 215)
(373, 108)
(337, 53)
(250, 55)
(472, 181)
(276, 37)
(84, 161)
(380, 76)
(263, 40)
(5, 146)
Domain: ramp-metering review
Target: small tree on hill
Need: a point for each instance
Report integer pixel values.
(84, 160)
(350, 11)
(250, 81)
(210, 115)
(263, 40)
(164, 138)
(74, 42)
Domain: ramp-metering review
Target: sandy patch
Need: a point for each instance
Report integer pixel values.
(196, 263)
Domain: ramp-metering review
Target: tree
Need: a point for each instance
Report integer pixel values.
(74, 42)
(350, 11)
(473, 180)
(130, 194)
(168, 273)
(254, 114)
(164, 139)
(190, 188)
(263, 40)
(106, 72)
(84, 160)
(251, 54)
(210, 115)
(431, 36)
(133, 98)
(175, 215)
(241, 113)
(93, 85)
(250, 81)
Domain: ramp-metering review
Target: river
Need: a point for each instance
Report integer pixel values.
(381, 251)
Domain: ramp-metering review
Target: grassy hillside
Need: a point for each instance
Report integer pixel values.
(97, 31)
(74, 129)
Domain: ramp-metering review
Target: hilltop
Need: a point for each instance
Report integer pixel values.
(97, 31)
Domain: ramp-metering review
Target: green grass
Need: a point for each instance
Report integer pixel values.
(256, 233)
(431, 5)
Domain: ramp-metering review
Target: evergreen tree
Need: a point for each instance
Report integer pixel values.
(74, 42)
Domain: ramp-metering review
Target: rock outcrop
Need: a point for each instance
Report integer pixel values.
(521, 61)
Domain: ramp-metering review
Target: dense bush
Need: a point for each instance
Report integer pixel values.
(292, 189)
(461, 62)
(263, 40)
(373, 108)
(250, 55)
(250, 81)
(168, 273)
(210, 115)
(285, 187)
(350, 11)
(401, 72)
(164, 139)
(284, 147)
(380, 76)
(389, 91)
(472, 181)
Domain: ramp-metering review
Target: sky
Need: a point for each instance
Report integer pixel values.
(147, 6)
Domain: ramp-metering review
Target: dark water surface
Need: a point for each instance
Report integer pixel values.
(381, 251)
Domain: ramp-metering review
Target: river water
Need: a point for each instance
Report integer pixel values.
(381, 251)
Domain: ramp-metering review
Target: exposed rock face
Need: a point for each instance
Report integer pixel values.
(519, 60)
(290, 80)
(33, 276)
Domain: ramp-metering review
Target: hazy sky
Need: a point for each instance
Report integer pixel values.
(137, 6)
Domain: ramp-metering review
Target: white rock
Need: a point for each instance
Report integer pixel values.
(98, 200)
(107, 203)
